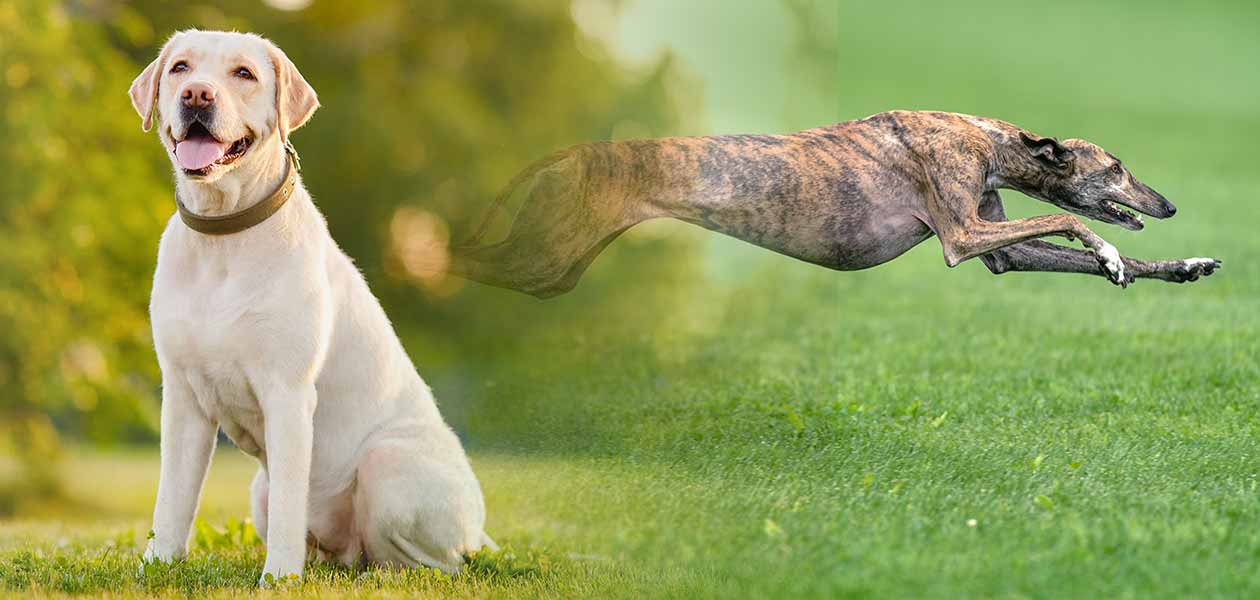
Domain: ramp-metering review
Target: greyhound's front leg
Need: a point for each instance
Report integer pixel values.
(976, 237)
(186, 446)
(288, 421)
(953, 205)
(1037, 255)
(1180, 271)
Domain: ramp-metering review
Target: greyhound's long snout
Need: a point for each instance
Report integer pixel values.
(1167, 209)
(1153, 203)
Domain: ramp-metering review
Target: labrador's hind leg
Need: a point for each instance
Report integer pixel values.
(258, 503)
(412, 510)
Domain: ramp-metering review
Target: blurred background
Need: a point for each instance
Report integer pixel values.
(706, 410)
(679, 347)
(428, 108)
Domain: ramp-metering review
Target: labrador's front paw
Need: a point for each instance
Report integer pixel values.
(1111, 263)
(273, 577)
(153, 555)
(145, 561)
(270, 581)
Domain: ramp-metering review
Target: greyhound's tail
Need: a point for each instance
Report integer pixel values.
(573, 204)
(489, 543)
(500, 201)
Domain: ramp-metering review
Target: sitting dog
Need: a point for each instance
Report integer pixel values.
(264, 328)
(847, 196)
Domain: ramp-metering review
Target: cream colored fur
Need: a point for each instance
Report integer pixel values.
(272, 335)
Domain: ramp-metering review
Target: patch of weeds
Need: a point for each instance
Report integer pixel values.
(234, 534)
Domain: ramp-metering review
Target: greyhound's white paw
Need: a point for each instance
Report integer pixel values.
(1112, 264)
(1191, 269)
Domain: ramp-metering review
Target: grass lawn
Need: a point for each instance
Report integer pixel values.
(761, 427)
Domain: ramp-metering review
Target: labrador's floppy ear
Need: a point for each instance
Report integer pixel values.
(295, 98)
(1048, 150)
(144, 88)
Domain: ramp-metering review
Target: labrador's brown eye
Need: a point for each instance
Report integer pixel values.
(179, 67)
(244, 73)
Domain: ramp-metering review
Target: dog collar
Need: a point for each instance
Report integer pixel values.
(244, 219)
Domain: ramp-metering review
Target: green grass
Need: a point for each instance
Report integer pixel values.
(760, 427)
(97, 550)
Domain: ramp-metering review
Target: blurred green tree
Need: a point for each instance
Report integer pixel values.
(80, 206)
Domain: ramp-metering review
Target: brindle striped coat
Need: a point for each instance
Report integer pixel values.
(846, 196)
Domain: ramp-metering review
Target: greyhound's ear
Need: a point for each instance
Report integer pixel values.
(144, 89)
(1048, 151)
(295, 98)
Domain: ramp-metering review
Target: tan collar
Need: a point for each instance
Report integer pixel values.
(244, 219)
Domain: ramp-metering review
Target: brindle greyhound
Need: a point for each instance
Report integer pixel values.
(847, 196)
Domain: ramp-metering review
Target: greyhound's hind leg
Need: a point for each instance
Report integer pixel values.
(565, 221)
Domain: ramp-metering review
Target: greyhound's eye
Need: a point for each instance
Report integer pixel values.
(179, 67)
(1115, 169)
(244, 73)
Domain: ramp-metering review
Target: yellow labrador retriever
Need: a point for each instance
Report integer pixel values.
(264, 328)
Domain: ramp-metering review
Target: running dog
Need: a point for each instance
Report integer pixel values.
(847, 196)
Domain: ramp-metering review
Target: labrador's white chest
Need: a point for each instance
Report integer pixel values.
(219, 319)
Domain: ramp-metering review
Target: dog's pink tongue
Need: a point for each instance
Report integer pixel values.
(197, 153)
